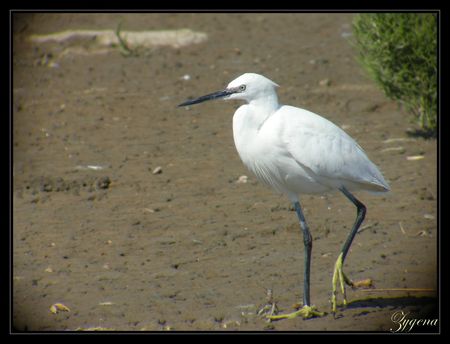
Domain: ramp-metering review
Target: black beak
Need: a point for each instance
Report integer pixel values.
(215, 95)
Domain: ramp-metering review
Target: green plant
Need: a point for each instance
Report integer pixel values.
(125, 50)
(399, 51)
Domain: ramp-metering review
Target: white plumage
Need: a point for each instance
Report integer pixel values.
(294, 150)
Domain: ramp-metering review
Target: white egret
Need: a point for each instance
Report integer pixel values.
(296, 152)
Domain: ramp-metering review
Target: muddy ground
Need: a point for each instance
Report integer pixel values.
(127, 209)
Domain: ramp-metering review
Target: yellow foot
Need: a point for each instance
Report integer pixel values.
(339, 274)
(305, 312)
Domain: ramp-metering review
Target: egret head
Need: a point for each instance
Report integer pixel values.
(246, 87)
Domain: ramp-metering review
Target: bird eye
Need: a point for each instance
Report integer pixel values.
(242, 88)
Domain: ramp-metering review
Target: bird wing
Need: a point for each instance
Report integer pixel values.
(327, 151)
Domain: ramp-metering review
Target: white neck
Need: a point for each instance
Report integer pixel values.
(265, 105)
(249, 119)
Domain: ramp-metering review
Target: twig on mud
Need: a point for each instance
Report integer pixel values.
(401, 228)
(419, 233)
(363, 228)
(393, 149)
(399, 289)
(398, 139)
(415, 157)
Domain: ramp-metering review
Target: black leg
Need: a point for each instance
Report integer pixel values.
(361, 213)
(307, 240)
(307, 311)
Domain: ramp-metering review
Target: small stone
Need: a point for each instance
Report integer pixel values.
(325, 82)
(157, 170)
(242, 180)
(103, 183)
